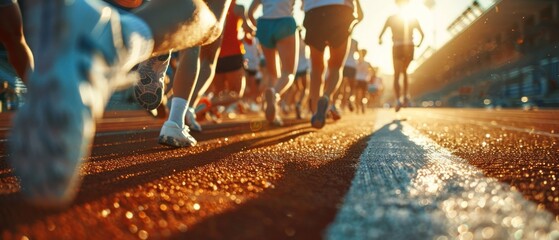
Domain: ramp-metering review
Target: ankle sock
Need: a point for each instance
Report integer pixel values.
(178, 110)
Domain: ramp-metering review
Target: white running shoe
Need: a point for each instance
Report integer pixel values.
(318, 120)
(173, 135)
(190, 120)
(272, 114)
(150, 89)
(80, 59)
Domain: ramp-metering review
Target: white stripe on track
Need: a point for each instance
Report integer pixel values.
(408, 187)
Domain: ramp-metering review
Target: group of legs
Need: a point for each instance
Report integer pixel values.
(76, 71)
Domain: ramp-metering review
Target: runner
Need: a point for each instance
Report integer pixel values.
(328, 23)
(276, 33)
(347, 88)
(76, 72)
(252, 69)
(229, 83)
(197, 67)
(362, 76)
(403, 48)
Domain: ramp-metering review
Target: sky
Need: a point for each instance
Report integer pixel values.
(434, 24)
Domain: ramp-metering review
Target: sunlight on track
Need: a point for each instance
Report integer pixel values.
(409, 187)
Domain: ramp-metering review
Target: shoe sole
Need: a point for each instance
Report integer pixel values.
(270, 106)
(149, 91)
(318, 120)
(172, 142)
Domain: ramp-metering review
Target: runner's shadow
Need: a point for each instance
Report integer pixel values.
(300, 205)
(105, 183)
(144, 141)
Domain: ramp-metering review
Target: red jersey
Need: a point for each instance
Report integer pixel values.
(231, 45)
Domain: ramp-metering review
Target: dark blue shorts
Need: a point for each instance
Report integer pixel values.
(270, 31)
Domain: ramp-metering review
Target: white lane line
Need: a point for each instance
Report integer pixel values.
(408, 187)
(494, 124)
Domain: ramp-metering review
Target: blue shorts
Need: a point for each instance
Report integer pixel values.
(270, 31)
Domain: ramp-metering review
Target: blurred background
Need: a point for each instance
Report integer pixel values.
(479, 54)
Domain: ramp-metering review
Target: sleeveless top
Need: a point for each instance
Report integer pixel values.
(231, 45)
(311, 4)
(277, 8)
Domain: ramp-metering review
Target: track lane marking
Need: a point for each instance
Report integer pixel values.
(408, 187)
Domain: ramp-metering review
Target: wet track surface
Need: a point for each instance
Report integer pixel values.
(246, 180)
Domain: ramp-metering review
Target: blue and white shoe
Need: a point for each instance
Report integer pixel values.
(81, 58)
(175, 136)
(149, 90)
(318, 120)
(190, 120)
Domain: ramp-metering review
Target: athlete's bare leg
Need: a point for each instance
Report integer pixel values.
(337, 58)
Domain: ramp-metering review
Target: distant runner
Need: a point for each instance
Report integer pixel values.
(402, 27)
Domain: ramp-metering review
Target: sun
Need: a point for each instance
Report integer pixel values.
(414, 9)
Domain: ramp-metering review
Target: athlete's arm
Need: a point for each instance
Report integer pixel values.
(418, 27)
(251, 23)
(359, 11)
(383, 30)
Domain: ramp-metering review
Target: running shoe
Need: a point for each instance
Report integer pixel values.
(190, 120)
(150, 89)
(318, 120)
(298, 111)
(271, 104)
(335, 113)
(173, 135)
(80, 60)
(398, 106)
(272, 99)
(204, 106)
(351, 106)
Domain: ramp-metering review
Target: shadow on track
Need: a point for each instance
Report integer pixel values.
(14, 211)
(304, 201)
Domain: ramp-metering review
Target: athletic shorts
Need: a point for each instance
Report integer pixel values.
(229, 63)
(403, 52)
(270, 31)
(4, 3)
(350, 72)
(251, 72)
(328, 26)
(301, 73)
(372, 88)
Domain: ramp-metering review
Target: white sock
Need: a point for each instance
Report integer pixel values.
(178, 110)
